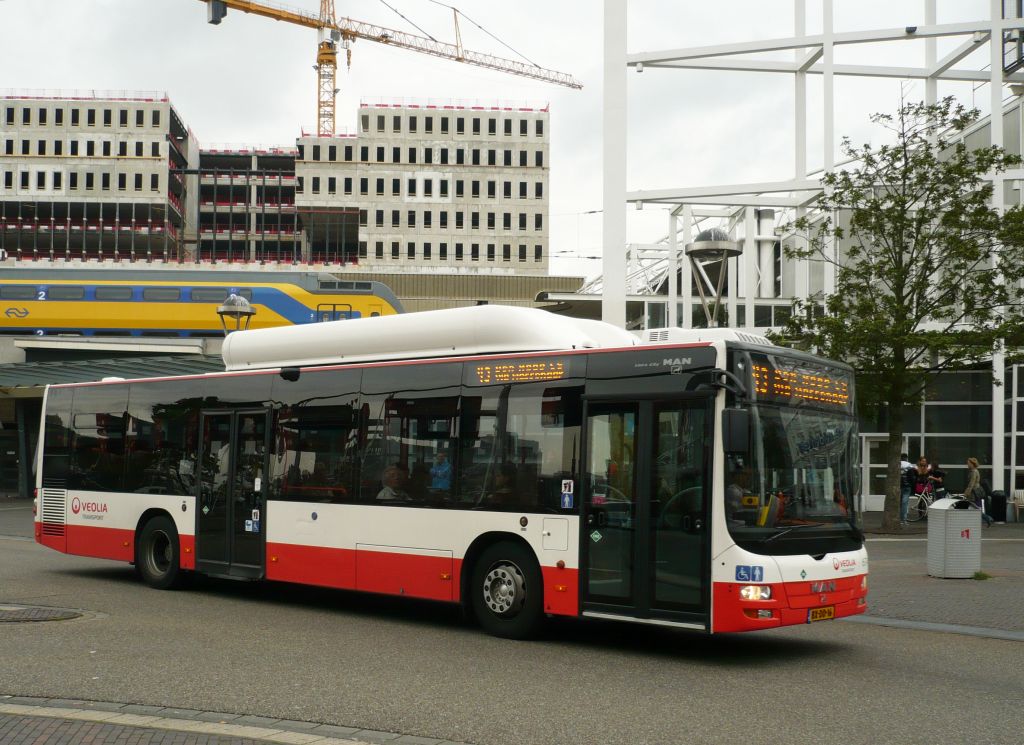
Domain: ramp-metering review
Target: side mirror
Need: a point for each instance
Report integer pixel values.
(736, 431)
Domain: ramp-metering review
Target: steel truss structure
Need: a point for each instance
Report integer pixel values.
(752, 210)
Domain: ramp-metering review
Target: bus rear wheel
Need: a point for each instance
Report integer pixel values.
(507, 592)
(157, 554)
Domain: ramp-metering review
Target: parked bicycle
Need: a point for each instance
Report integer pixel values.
(917, 507)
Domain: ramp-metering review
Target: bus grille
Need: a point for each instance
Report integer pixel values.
(54, 501)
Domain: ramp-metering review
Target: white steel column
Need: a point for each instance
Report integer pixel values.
(686, 270)
(801, 267)
(613, 305)
(999, 356)
(672, 265)
(750, 265)
(828, 114)
(766, 252)
(931, 84)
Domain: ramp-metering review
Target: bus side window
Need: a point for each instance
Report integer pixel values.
(314, 450)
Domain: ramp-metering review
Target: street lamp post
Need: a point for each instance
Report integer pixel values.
(235, 314)
(711, 245)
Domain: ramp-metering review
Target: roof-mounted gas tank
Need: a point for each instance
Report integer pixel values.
(482, 329)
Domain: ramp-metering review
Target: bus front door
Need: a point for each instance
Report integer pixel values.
(645, 534)
(231, 527)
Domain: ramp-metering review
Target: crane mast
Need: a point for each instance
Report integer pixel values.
(326, 71)
(333, 30)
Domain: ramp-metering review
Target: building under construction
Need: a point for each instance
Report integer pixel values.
(121, 178)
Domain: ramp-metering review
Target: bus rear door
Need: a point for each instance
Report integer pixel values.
(646, 494)
(231, 527)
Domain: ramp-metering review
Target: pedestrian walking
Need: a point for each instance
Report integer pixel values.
(974, 491)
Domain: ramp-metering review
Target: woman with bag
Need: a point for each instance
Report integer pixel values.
(973, 491)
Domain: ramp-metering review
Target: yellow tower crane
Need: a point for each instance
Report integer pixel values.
(333, 30)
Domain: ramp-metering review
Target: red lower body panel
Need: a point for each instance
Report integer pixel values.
(311, 565)
(561, 591)
(101, 543)
(392, 573)
(108, 543)
(791, 604)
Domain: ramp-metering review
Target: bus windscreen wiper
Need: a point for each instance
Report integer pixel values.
(790, 529)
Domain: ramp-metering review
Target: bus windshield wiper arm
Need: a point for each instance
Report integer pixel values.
(790, 529)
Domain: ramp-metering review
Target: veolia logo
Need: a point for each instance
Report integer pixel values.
(95, 508)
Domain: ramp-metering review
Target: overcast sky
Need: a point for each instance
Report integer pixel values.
(250, 81)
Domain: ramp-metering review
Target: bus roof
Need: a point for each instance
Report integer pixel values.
(483, 329)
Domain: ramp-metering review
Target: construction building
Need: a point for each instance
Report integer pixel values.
(93, 176)
(430, 186)
(419, 187)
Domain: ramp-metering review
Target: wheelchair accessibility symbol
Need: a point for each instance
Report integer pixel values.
(749, 573)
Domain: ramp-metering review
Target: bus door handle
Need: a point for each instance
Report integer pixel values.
(690, 524)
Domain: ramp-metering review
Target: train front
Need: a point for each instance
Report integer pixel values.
(791, 550)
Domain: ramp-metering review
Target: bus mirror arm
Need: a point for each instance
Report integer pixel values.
(724, 379)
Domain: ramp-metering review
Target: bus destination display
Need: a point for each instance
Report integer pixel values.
(823, 388)
(519, 372)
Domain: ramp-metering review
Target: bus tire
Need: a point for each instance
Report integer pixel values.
(158, 554)
(507, 592)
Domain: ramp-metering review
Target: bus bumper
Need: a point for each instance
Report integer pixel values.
(790, 603)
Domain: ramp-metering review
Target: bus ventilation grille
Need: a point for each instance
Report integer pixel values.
(753, 338)
(659, 336)
(54, 501)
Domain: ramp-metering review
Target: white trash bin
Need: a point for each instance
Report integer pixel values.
(954, 539)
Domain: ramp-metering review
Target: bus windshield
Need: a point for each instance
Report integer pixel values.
(797, 484)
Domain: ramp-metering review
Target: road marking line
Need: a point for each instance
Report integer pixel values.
(948, 628)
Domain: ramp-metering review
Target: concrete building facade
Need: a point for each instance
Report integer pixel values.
(94, 175)
(419, 187)
(431, 186)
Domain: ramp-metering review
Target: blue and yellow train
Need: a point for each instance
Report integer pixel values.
(132, 302)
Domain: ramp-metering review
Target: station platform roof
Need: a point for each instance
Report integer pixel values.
(29, 378)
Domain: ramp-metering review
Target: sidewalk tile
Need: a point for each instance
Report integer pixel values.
(333, 730)
(374, 736)
(179, 713)
(254, 721)
(216, 716)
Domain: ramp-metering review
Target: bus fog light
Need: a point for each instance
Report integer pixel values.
(764, 614)
(755, 592)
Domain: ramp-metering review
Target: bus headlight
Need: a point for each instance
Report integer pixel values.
(755, 592)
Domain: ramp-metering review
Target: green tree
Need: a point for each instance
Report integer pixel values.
(927, 270)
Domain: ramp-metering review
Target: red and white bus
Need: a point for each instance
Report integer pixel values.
(520, 463)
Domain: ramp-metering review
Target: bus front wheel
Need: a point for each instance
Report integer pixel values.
(157, 556)
(507, 591)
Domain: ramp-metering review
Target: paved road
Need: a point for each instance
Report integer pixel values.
(415, 668)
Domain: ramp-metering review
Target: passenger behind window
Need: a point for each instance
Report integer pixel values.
(504, 494)
(393, 482)
(441, 473)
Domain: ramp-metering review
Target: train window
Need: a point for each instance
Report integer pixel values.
(218, 294)
(209, 294)
(113, 293)
(161, 294)
(18, 292)
(64, 292)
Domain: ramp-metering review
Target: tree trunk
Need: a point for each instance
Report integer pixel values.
(891, 516)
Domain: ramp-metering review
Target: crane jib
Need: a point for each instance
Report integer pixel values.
(351, 29)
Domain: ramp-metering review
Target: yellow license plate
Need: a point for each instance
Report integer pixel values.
(821, 614)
